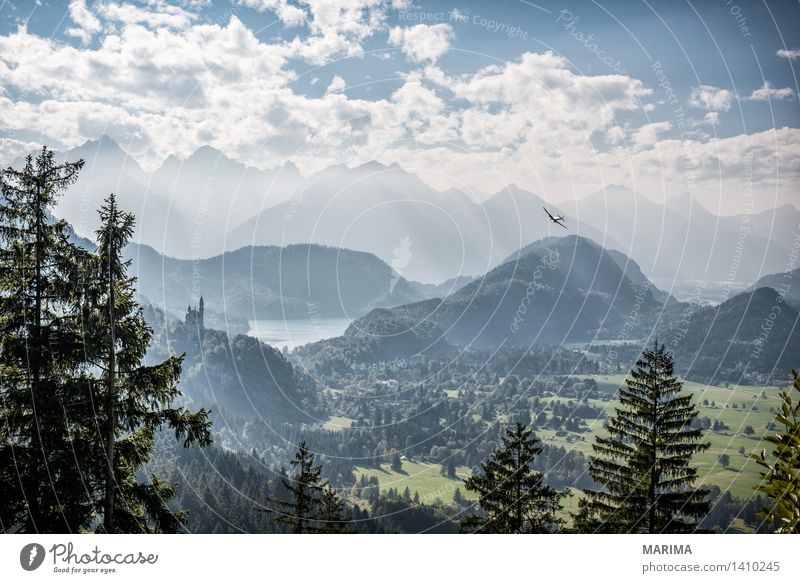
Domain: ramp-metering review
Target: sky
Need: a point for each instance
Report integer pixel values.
(560, 98)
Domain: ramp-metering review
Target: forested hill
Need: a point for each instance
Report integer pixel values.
(380, 336)
(787, 283)
(235, 375)
(273, 282)
(753, 332)
(561, 289)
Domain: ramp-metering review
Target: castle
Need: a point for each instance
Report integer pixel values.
(194, 320)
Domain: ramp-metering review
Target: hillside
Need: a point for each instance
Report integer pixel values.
(298, 281)
(235, 375)
(787, 283)
(561, 289)
(380, 336)
(753, 332)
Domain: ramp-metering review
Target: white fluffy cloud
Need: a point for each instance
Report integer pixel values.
(337, 84)
(288, 14)
(711, 98)
(162, 82)
(422, 42)
(648, 134)
(790, 54)
(767, 92)
(86, 23)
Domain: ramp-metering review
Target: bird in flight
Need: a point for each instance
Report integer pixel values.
(558, 219)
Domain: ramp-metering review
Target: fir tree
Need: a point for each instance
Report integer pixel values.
(512, 496)
(332, 513)
(397, 463)
(305, 488)
(134, 401)
(644, 463)
(41, 354)
(780, 480)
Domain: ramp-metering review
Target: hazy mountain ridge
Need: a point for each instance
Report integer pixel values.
(786, 283)
(681, 240)
(754, 331)
(207, 204)
(562, 289)
(298, 281)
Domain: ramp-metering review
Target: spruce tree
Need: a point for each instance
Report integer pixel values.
(305, 488)
(132, 401)
(781, 479)
(332, 513)
(42, 364)
(643, 465)
(512, 496)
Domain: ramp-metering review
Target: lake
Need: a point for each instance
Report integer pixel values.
(293, 333)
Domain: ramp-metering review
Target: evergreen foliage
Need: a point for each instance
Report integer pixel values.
(513, 497)
(312, 506)
(781, 475)
(132, 401)
(78, 410)
(644, 463)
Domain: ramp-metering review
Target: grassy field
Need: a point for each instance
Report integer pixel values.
(741, 475)
(422, 478)
(752, 408)
(335, 423)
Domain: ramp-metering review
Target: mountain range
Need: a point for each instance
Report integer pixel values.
(569, 289)
(560, 289)
(268, 282)
(207, 204)
(680, 240)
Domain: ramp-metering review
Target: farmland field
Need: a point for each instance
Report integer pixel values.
(740, 408)
(423, 478)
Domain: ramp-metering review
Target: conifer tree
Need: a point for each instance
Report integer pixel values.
(781, 480)
(332, 513)
(133, 401)
(512, 496)
(643, 465)
(41, 354)
(305, 488)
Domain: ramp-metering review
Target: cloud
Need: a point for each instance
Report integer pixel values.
(790, 54)
(337, 84)
(767, 92)
(710, 97)
(87, 23)
(288, 14)
(157, 14)
(556, 102)
(164, 82)
(648, 134)
(422, 42)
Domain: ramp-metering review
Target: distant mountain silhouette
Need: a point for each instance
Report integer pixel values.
(207, 203)
(681, 240)
(298, 281)
(376, 208)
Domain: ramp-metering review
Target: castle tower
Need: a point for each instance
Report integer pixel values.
(200, 310)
